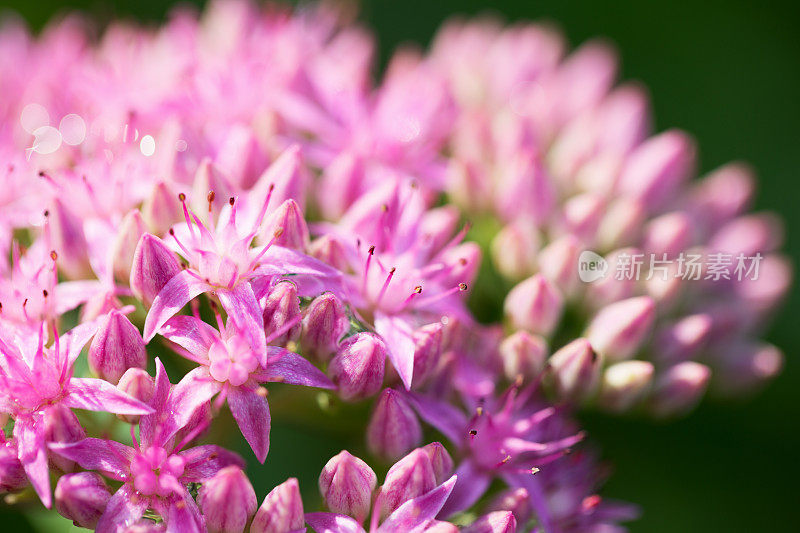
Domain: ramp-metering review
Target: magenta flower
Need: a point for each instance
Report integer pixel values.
(231, 369)
(154, 472)
(37, 379)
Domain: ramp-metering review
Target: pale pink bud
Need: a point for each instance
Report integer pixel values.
(82, 498)
(346, 484)
(618, 330)
(330, 250)
(684, 338)
(514, 249)
(722, 195)
(427, 350)
(286, 176)
(161, 210)
(523, 355)
(282, 510)
(611, 288)
(621, 224)
(624, 384)
(210, 189)
(340, 185)
(468, 186)
(241, 156)
(582, 215)
(625, 119)
(12, 473)
(153, 266)
(129, 232)
(527, 189)
(408, 478)
(441, 461)
(357, 368)
(658, 167)
(438, 225)
(67, 238)
(574, 370)
(584, 78)
(138, 384)
(325, 322)
(668, 234)
(116, 347)
(287, 226)
(393, 429)
(749, 235)
(282, 306)
(534, 305)
(494, 522)
(679, 388)
(744, 367)
(764, 293)
(515, 500)
(62, 426)
(227, 501)
(558, 263)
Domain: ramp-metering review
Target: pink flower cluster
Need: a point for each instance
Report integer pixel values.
(233, 195)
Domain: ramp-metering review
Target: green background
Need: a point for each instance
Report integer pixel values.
(728, 72)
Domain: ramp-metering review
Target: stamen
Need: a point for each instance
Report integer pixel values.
(417, 290)
(364, 279)
(385, 286)
(210, 199)
(263, 212)
(180, 244)
(283, 329)
(461, 287)
(275, 236)
(186, 216)
(215, 310)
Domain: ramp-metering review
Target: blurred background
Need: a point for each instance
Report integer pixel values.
(726, 71)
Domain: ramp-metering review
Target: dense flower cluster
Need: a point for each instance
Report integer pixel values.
(234, 196)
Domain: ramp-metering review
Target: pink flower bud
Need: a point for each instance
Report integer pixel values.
(722, 195)
(744, 367)
(574, 370)
(684, 338)
(67, 238)
(625, 119)
(624, 384)
(129, 232)
(582, 215)
(427, 351)
(408, 478)
(441, 461)
(619, 329)
(514, 249)
(467, 185)
(287, 226)
(62, 426)
(324, 324)
(515, 500)
(357, 368)
(393, 429)
(227, 501)
(495, 522)
(346, 484)
(621, 224)
(138, 384)
(764, 295)
(668, 234)
(241, 156)
(153, 266)
(679, 388)
(161, 210)
(82, 498)
(438, 225)
(523, 355)
(12, 473)
(749, 235)
(658, 168)
(282, 306)
(116, 347)
(558, 263)
(282, 510)
(534, 305)
(340, 185)
(330, 250)
(210, 189)
(286, 176)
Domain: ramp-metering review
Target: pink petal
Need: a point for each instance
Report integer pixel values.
(311, 276)
(99, 395)
(149, 423)
(123, 509)
(107, 456)
(251, 412)
(190, 333)
(471, 485)
(288, 367)
(184, 517)
(202, 462)
(443, 416)
(70, 294)
(420, 510)
(178, 291)
(332, 523)
(242, 306)
(399, 339)
(196, 388)
(33, 455)
(76, 338)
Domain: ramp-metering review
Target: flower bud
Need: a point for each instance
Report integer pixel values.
(745, 366)
(286, 177)
(161, 210)
(12, 473)
(574, 370)
(287, 226)
(116, 347)
(495, 522)
(393, 429)
(582, 215)
(624, 384)
(209, 178)
(557, 263)
(438, 225)
(282, 510)
(534, 305)
(330, 250)
(679, 388)
(82, 498)
(282, 306)
(129, 232)
(227, 501)
(427, 351)
(684, 338)
(618, 329)
(749, 235)
(324, 324)
(153, 266)
(408, 478)
(240, 156)
(441, 461)
(514, 249)
(67, 238)
(523, 355)
(722, 195)
(621, 224)
(515, 500)
(62, 426)
(138, 384)
(346, 484)
(668, 234)
(357, 368)
(340, 184)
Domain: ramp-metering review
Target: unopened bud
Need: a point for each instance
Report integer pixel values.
(357, 369)
(82, 498)
(346, 484)
(441, 461)
(495, 522)
(624, 384)
(227, 501)
(746, 366)
(330, 250)
(514, 250)
(515, 500)
(408, 478)
(12, 473)
(62, 426)
(574, 370)
(523, 355)
(116, 347)
(557, 263)
(393, 429)
(67, 237)
(129, 232)
(138, 384)
(210, 188)
(679, 388)
(324, 324)
(282, 306)
(289, 220)
(534, 305)
(684, 338)
(161, 210)
(282, 510)
(668, 234)
(153, 266)
(427, 351)
(618, 330)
